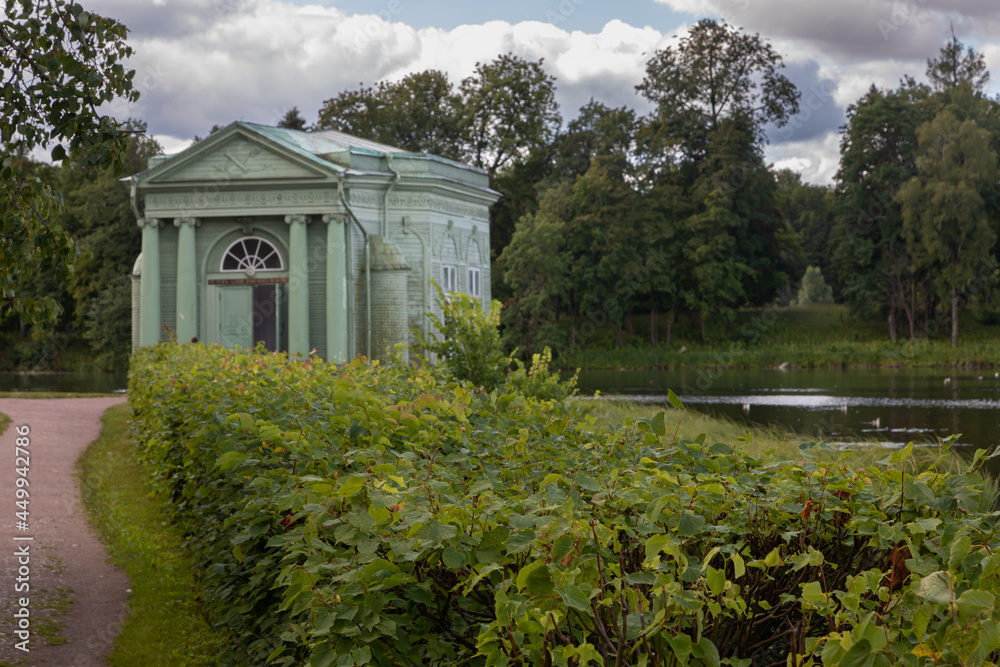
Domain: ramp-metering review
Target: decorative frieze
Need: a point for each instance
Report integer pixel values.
(440, 204)
(366, 198)
(211, 199)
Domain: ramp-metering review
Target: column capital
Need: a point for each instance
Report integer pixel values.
(149, 222)
(297, 218)
(192, 222)
(333, 217)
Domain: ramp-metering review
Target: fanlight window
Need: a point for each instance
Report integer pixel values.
(250, 255)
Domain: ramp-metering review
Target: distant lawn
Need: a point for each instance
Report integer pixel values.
(4, 422)
(812, 337)
(164, 626)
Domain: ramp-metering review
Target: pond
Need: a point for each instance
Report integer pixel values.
(888, 406)
(104, 383)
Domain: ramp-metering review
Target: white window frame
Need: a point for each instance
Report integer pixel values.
(449, 278)
(475, 286)
(252, 263)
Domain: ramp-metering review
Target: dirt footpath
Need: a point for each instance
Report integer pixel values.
(76, 600)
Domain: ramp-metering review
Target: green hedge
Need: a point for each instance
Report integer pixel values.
(358, 515)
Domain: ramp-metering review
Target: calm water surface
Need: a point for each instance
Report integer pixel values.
(889, 406)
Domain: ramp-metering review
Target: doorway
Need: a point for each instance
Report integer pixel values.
(250, 314)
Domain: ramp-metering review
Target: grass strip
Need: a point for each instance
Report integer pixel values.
(54, 394)
(4, 422)
(164, 625)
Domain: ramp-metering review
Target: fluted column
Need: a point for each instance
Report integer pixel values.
(336, 289)
(298, 286)
(187, 280)
(149, 306)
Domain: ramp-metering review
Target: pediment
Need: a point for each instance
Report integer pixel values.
(238, 158)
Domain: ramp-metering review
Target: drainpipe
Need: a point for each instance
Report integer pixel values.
(385, 198)
(368, 282)
(426, 287)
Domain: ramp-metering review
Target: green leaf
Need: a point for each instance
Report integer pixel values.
(674, 401)
(959, 549)
(230, 460)
(773, 559)
(739, 567)
(710, 654)
(657, 424)
(574, 597)
(587, 483)
(535, 577)
(351, 486)
(681, 645)
(690, 524)
(551, 478)
(520, 541)
(435, 532)
(973, 602)
(936, 588)
(453, 559)
(716, 580)
(859, 655)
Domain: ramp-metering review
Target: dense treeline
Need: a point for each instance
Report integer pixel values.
(674, 215)
(94, 303)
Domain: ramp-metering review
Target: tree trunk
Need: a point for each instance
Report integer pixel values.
(618, 334)
(701, 321)
(654, 325)
(892, 318)
(670, 324)
(572, 324)
(631, 329)
(954, 317)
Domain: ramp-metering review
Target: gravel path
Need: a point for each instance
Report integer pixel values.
(65, 560)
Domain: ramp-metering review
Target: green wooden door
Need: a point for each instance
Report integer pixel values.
(236, 316)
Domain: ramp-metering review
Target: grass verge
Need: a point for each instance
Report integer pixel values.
(164, 625)
(4, 422)
(608, 414)
(53, 394)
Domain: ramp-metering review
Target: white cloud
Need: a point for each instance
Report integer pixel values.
(816, 159)
(204, 62)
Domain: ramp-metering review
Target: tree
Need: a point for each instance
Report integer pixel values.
(716, 73)
(809, 210)
(507, 109)
(293, 120)
(60, 64)
(814, 289)
(877, 153)
(944, 219)
(535, 265)
(99, 215)
(953, 66)
(418, 113)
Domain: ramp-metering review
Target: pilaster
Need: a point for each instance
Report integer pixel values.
(298, 285)
(187, 280)
(149, 306)
(336, 289)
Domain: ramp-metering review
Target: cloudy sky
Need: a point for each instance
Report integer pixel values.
(204, 62)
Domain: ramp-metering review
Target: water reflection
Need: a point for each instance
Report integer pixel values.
(889, 406)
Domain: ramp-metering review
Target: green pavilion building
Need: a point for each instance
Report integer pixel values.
(307, 242)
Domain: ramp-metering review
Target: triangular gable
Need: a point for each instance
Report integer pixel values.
(240, 156)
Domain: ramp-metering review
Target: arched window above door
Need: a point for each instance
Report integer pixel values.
(250, 255)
